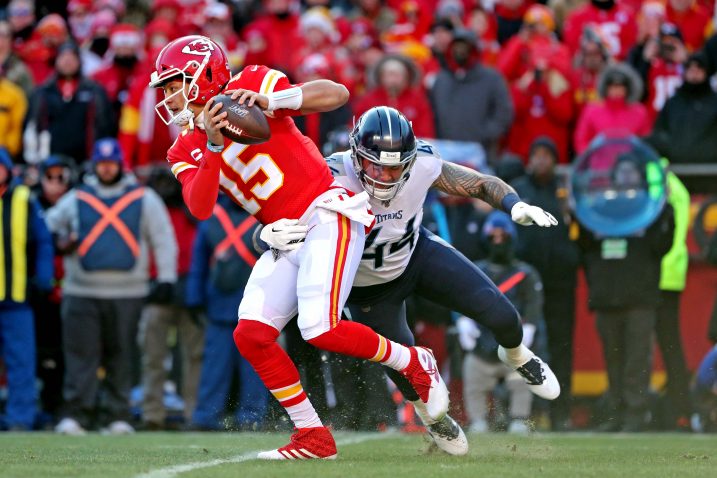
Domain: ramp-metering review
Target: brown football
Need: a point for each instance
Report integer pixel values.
(247, 125)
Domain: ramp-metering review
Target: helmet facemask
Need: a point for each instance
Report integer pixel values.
(188, 94)
(382, 190)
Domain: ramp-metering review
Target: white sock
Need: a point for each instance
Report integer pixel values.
(303, 415)
(518, 355)
(391, 354)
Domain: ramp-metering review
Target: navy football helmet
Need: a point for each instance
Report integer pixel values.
(383, 136)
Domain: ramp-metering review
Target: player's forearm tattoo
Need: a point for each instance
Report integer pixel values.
(461, 181)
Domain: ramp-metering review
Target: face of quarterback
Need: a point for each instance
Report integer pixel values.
(174, 98)
(381, 173)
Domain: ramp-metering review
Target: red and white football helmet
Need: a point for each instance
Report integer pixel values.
(200, 63)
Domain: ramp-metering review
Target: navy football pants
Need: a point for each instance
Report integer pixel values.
(441, 274)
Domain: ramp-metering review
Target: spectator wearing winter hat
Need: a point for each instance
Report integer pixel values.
(319, 35)
(686, 128)
(619, 113)
(13, 106)
(40, 51)
(396, 80)
(693, 19)
(471, 101)
(21, 15)
(610, 17)
(537, 67)
(94, 51)
(588, 63)
(106, 282)
(555, 257)
(67, 113)
(79, 17)
(126, 53)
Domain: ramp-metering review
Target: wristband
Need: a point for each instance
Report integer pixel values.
(290, 99)
(510, 200)
(215, 148)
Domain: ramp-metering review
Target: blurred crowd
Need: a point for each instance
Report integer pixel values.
(117, 307)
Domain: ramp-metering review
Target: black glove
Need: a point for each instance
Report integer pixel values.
(162, 293)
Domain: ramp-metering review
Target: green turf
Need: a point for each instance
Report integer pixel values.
(158, 455)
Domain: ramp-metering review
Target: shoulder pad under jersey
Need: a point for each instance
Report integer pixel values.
(335, 162)
(424, 148)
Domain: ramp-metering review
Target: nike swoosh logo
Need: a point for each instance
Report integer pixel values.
(255, 67)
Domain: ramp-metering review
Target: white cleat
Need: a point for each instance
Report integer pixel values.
(70, 426)
(537, 374)
(449, 436)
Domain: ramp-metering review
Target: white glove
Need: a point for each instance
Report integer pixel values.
(284, 234)
(468, 333)
(527, 215)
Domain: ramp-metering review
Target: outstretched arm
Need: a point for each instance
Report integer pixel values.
(315, 96)
(458, 180)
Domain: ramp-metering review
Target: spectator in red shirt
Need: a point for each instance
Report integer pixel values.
(485, 27)
(274, 38)
(619, 113)
(537, 66)
(397, 83)
(590, 60)
(614, 20)
(79, 17)
(380, 16)
(535, 40)
(693, 20)
(319, 35)
(40, 51)
(660, 66)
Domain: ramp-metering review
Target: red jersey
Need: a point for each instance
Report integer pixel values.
(662, 82)
(616, 25)
(279, 178)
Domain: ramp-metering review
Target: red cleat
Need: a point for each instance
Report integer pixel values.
(306, 444)
(422, 372)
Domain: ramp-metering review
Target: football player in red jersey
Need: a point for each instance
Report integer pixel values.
(283, 182)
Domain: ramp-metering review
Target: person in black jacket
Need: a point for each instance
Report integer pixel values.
(686, 128)
(68, 113)
(555, 257)
(623, 276)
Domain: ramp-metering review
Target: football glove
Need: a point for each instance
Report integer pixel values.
(527, 215)
(284, 234)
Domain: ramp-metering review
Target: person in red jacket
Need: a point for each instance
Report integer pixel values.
(273, 38)
(536, 39)
(397, 85)
(613, 19)
(589, 62)
(693, 20)
(537, 66)
(619, 113)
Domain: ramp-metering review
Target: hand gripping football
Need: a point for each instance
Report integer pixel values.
(247, 125)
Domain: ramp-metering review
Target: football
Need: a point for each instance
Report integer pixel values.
(247, 125)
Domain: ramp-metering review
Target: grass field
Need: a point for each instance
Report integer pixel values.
(164, 455)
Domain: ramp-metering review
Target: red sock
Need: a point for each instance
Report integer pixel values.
(349, 338)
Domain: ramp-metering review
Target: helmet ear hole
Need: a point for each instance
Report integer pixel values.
(209, 74)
